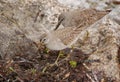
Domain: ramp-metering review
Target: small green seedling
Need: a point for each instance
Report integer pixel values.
(73, 64)
(61, 54)
(47, 50)
(33, 71)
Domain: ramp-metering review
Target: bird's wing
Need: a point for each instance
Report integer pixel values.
(67, 35)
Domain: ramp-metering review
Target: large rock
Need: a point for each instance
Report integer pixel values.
(102, 41)
(17, 28)
(13, 42)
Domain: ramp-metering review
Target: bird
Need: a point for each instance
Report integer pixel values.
(77, 16)
(59, 39)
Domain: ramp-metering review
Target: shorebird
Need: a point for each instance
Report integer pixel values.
(77, 16)
(64, 38)
(61, 38)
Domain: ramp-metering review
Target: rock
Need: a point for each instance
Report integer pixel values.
(13, 42)
(102, 41)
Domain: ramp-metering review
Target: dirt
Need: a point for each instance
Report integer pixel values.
(48, 67)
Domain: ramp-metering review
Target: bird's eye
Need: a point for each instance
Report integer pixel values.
(44, 39)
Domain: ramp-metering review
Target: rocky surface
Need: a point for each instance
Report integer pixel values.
(102, 42)
(21, 25)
